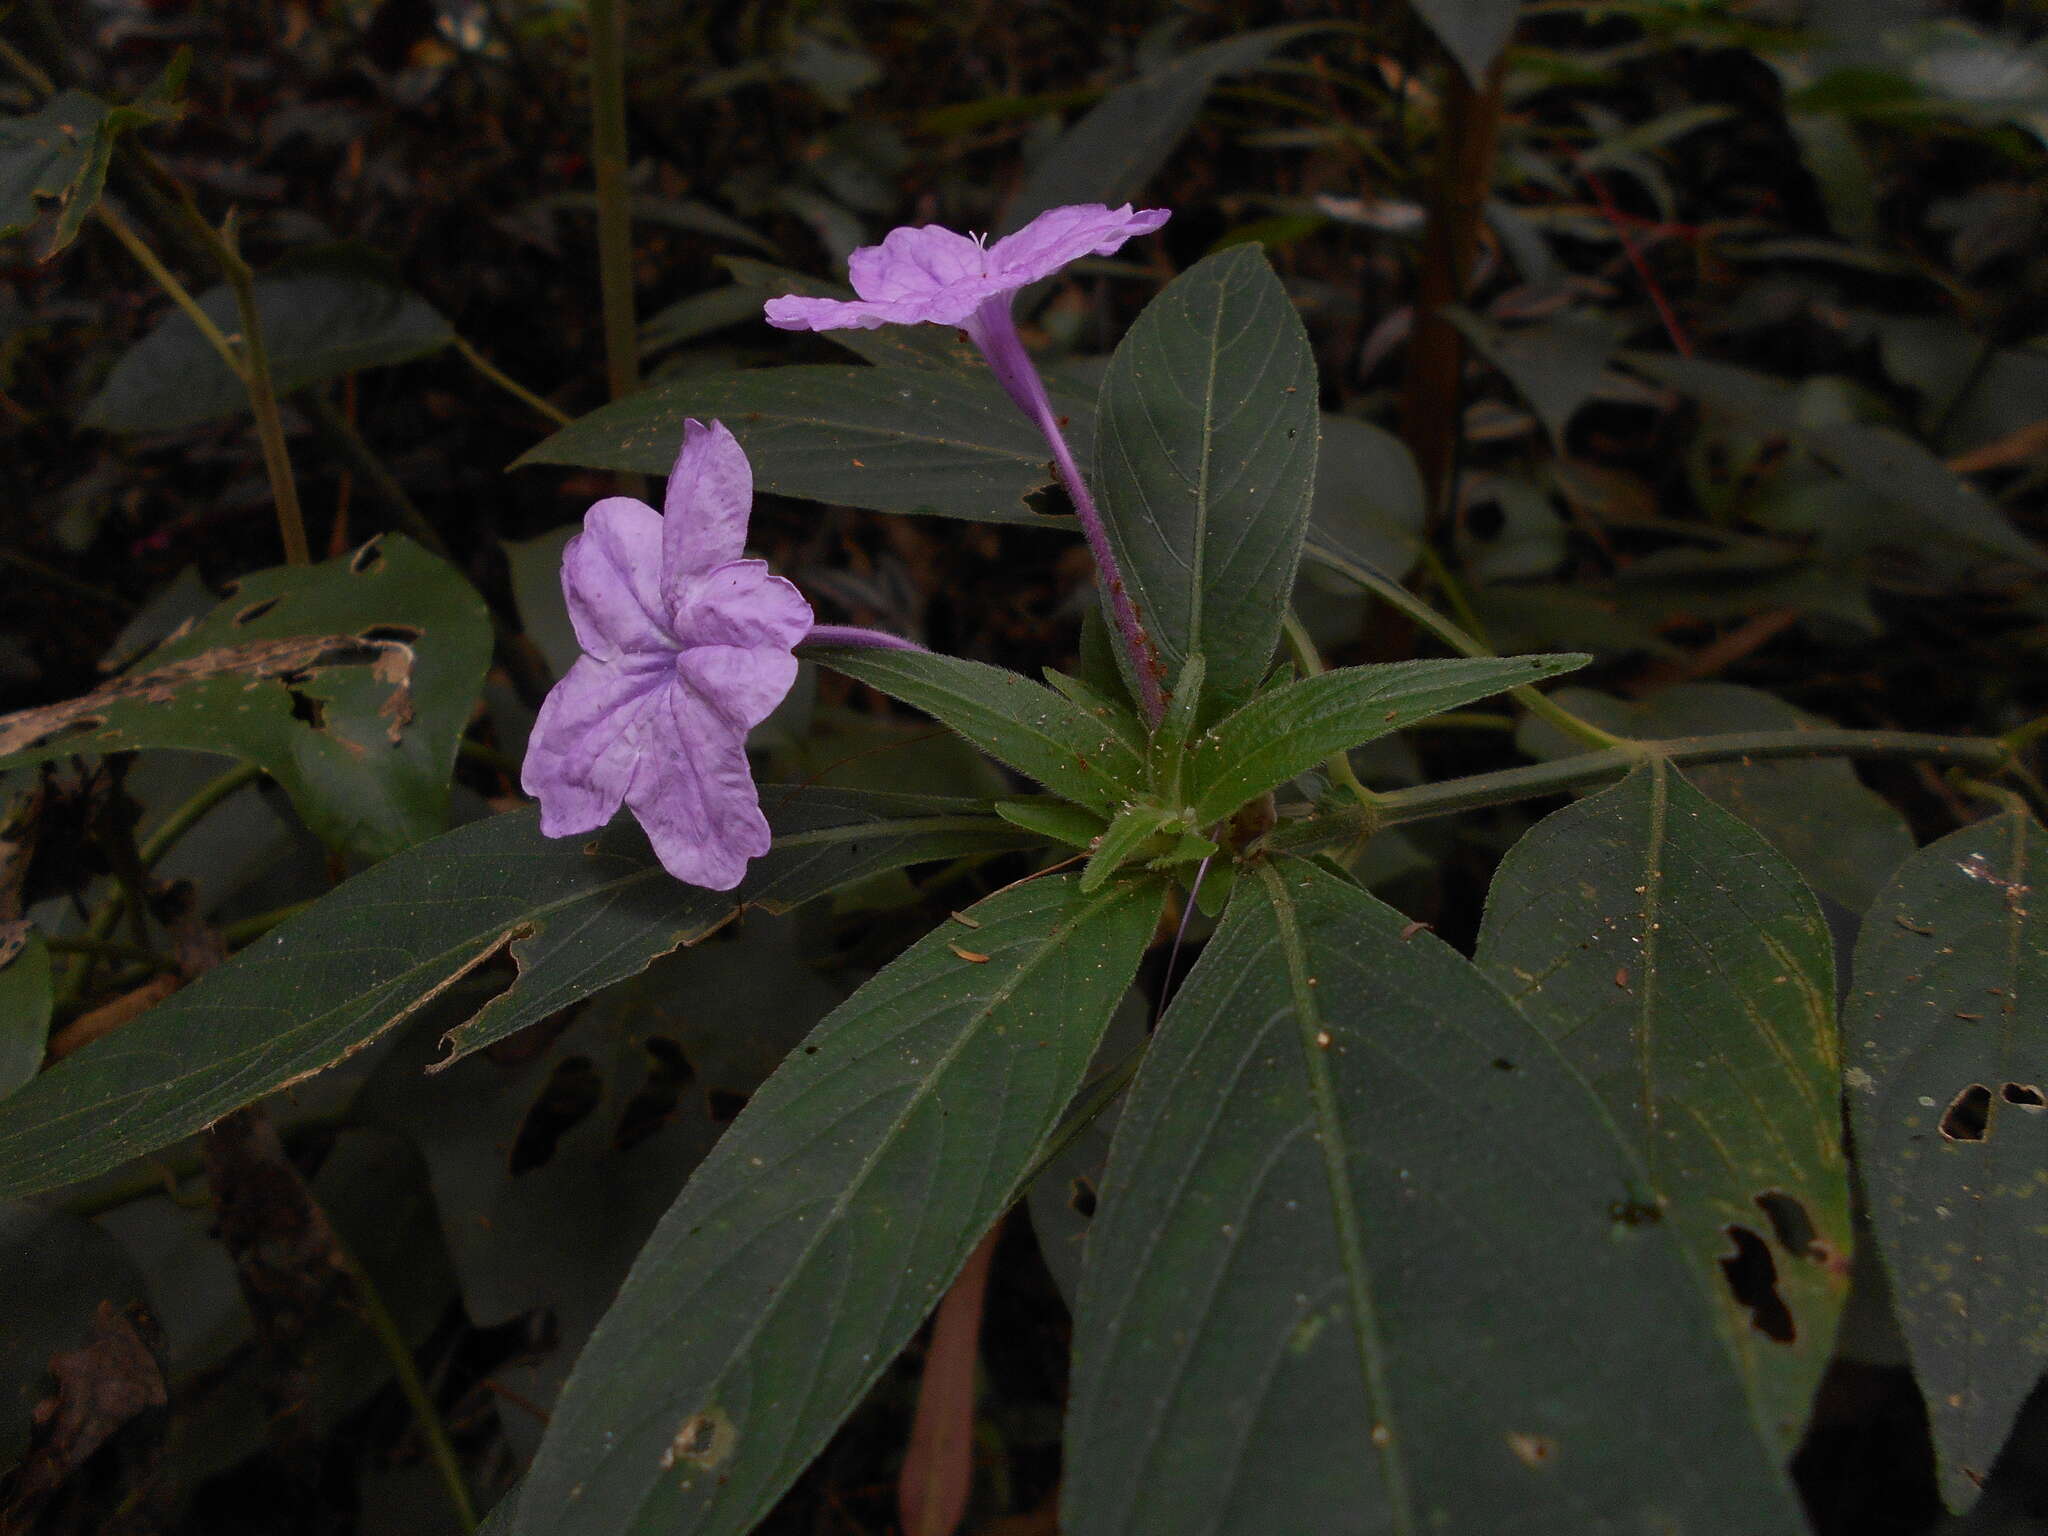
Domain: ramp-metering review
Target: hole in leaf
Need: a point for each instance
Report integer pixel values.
(1502, 1064)
(573, 1090)
(668, 1073)
(404, 634)
(1081, 1197)
(255, 611)
(1636, 1213)
(1968, 1116)
(84, 725)
(2026, 1095)
(307, 708)
(368, 558)
(1790, 1224)
(725, 1105)
(1752, 1276)
(1050, 500)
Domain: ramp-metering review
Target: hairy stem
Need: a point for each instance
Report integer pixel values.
(1536, 780)
(994, 331)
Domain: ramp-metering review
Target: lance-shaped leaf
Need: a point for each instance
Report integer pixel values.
(1071, 750)
(1205, 460)
(576, 914)
(348, 682)
(1475, 31)
(1947, 1042)
(831, 1216)
(1677, 960)
(26, 995)
(1369, 1258)
(889, 439)
(1288, 730)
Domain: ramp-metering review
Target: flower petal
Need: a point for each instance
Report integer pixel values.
(739, 603)
(916, 263)
(793, 312)
(742, 684)
(694, 793)
(1060, 235)
(611, 577)
(704, 516)
(588, 738)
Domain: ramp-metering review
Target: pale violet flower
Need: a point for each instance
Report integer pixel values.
(686, 647)
(932, 275)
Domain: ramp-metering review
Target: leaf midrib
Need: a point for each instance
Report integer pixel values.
(1350, 1230)
(830, 1223)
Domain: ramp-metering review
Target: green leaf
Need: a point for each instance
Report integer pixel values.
(326, 311)
(1946, 1028)
(1129, 830)
(575, 914)
(831, 1216)
(1369, 505)
(1289, 729)
(1881, 461)
(1036, 731)
(61, 152)
(1846, 855)
(1557, 365)
(348, 682)
(1680, 964)
(26, 997)
(1053, 819)
(1205, 463)
(1118, 146)
(1475, 31)
(1368, 1257)
(888, 439)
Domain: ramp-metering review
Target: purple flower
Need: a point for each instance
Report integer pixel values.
(932, 274)
(687, 646)
(929, 274)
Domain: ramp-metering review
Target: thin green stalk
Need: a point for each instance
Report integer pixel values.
(407, 1370)
(26, 67)
(1338, 764)
(291, 525)
(146, 258)
(333, 424)
(1427, 618)
(254, 368)
(1536, 780)
(510, 385)
(108, 949)
(186, 816)
(607, 22)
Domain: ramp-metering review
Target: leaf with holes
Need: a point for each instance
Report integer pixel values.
(325, 311)
(1071, 749)
(1678, 962)
(1289, 729)
(550, 1170)
(1205, 462)
(832, 1215)
(1947, 1031)
(577, 915)
(1369, 1257)
(349, 682)
(61, 153)
(889, 439)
